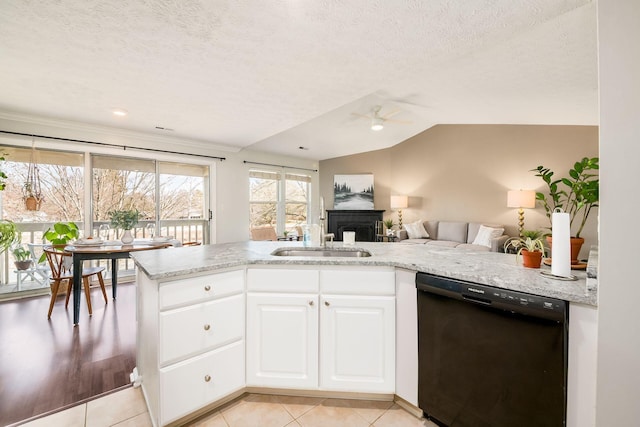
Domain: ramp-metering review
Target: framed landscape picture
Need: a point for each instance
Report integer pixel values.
(354, 192)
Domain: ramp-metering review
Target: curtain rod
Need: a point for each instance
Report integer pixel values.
(124, 147)
(280, 166)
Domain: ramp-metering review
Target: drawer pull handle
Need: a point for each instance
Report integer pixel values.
(207, 288)
(311, 303)
(207, 378)
(327, 303)
(207, 327)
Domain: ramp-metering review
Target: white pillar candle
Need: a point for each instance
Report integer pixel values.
(561, 246)
(321, 207)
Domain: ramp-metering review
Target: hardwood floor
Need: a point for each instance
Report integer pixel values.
(46, 364)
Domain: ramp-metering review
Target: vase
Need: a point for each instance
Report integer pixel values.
(531, 259)
(127, 237)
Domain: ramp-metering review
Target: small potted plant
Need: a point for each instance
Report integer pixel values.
(125, 220)
(388, 223)
(530, 245)
(22, 257)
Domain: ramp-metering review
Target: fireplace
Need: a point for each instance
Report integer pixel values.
(363, 222)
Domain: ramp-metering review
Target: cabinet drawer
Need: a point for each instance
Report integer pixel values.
(191, 330)
(200, 288)
(281, 280)
(194, 383)
(358, 282)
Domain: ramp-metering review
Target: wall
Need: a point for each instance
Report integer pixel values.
(463, 172)
(229, 201)
(618, 382)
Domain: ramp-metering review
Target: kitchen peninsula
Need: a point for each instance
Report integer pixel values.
(207, 316)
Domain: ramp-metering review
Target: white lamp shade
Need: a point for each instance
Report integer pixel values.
(399, 202)
(521, 199)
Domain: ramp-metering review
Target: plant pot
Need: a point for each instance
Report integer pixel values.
(576, 244)
(531, 259)
(32, 203)
(127, 237)
(23, 265)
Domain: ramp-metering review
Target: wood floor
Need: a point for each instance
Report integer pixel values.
(46, 364)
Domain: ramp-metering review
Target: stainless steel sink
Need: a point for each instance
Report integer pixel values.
(315, 252)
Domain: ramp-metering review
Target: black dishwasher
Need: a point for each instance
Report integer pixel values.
(490, 357)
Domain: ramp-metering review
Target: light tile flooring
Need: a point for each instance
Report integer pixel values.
(127, 408)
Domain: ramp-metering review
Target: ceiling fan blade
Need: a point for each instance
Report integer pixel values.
(403, 122)
(391, 114)
(361, 116)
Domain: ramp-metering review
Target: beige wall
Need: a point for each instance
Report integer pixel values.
(463, 172)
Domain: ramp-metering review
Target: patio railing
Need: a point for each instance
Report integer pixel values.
(183, 230)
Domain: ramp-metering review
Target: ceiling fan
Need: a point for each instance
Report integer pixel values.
(378, 119)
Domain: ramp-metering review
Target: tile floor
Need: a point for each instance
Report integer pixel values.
(127, 408)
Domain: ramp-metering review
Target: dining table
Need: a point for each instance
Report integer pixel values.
(113, 250)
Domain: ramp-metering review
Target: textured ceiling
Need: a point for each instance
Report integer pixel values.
(277, 75)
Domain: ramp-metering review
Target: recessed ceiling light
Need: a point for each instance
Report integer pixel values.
(120, 112)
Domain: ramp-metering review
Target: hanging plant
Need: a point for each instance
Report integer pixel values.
(31, 190)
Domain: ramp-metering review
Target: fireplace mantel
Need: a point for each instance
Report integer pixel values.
(363, 222)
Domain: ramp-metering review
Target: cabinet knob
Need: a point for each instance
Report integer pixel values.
(207, 378)
(207, 288)
(207, 327)
(311, 303)
(327, 303)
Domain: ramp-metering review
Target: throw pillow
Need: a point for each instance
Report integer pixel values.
(486, 234)
(416, 230)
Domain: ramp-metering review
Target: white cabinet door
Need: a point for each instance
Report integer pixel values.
(196, 382)
(358, 343)
(282, 340)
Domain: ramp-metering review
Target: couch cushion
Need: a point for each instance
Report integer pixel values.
(486, 235)
(474, 227)
(416, 230)
(432, 228)
(452, 231)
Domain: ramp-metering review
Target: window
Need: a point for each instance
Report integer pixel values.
(268, 206)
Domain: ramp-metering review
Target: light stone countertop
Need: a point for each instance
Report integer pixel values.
(488, 268)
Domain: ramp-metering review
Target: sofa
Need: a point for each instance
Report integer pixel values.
(458, 235)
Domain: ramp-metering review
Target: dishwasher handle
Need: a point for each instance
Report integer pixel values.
(476, 299)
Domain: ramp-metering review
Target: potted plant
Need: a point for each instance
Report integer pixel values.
(530, 245)
(22, 257)
(32, 196)
(125, 220)
(388, 223)
(577, 194)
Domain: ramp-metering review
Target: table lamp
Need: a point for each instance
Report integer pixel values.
(521, 199)
(399, 202)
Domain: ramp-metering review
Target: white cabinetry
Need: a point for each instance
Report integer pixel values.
(190, 342)
(352, 329)
(282, 340)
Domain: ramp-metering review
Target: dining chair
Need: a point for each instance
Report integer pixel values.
(62, 271)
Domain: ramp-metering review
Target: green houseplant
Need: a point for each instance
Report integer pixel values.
(125, 220)
(60, 234)
(576, 194)
(530, 245)
(8, 234)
